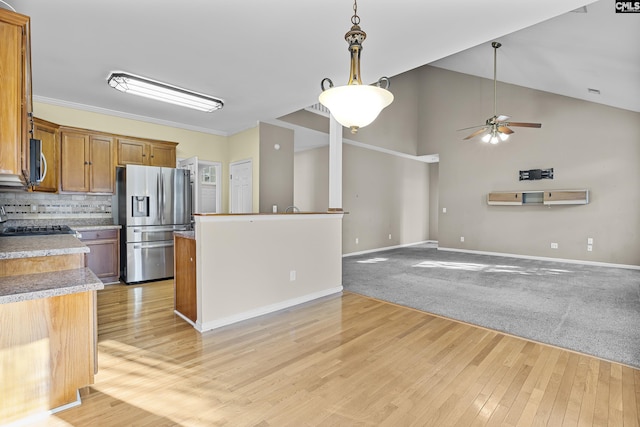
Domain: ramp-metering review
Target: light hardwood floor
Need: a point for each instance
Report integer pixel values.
(344, 360)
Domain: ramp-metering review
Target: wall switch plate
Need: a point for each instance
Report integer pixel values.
(554, 246)
(589, 248)
(444, 210)
(389, 236)
(356, 240)
(292, 275)
(461, 238)
(590, 241)
(34, 208)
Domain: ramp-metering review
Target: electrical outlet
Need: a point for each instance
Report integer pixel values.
(444, 210)
(389, 236)
(554, 246)
(357, 240)
(461, 238)
(292, 275)
(34, 208)
(589, 248)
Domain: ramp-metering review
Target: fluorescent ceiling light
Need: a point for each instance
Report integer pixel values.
(159, 91)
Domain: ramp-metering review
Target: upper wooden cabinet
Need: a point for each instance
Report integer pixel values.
(87, 162)
(48, 133)
(144, 152)
(15, 97)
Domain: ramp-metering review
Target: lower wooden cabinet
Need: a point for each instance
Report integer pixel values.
(104, 253)
(185, 277)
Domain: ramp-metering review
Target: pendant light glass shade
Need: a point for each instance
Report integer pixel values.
(355, 105)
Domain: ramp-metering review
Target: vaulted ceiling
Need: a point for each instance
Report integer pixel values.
(266, 58)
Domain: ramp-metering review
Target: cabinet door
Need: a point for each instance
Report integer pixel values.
(74, 165)
(132, 152)
(48, 134)
(102, 259)
(14, 91)
(162, 155)
(101, 164)
(504, 198)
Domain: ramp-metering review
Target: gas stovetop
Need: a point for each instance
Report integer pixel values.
(36, 230)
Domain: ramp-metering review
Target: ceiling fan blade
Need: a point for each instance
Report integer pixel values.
(505, 129)
(524, 125)
(476, 133)
(502, 118)
(472, 127)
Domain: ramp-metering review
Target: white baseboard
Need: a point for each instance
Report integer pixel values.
(185, 318)
(369, 251)
(540, 258)
(41, 416)
(218, 323)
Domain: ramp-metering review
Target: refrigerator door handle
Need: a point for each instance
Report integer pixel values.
(159, 197)
(153, 245)
(159, 228)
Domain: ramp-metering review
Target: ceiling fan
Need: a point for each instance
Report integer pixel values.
(496, 128)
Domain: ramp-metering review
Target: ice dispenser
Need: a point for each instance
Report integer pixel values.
(140, 206)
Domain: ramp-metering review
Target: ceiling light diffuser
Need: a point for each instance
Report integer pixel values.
(136, 85)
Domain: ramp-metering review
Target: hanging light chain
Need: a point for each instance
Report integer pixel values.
(355, 19)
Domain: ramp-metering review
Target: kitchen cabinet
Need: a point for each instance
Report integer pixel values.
(15, 97)
(104, 253)
(48, 133)
(87, 161)
(133, 151)
(49, 325)
(185, 301)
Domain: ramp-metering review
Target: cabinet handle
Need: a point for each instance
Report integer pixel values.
(86, 163)
(144, 155)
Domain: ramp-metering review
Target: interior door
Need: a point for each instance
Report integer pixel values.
(241, 187)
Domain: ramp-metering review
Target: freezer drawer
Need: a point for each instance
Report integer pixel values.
(153, 233)
(149, 261)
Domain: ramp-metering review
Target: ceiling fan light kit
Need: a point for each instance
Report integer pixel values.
(496, 128)
(355, 105)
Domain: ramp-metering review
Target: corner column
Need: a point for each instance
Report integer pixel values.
(335, 165)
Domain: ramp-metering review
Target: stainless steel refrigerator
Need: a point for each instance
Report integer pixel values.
(150, 204)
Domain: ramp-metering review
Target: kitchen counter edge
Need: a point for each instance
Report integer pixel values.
(45, 285)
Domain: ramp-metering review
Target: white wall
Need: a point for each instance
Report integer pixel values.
(589, 146)
(244, 263)
(382, 194)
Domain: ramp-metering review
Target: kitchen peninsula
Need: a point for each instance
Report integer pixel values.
(47, 324)
(247, 265)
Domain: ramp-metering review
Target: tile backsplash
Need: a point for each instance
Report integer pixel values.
(56, 208)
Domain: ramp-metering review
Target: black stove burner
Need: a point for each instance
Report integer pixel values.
(36, 230)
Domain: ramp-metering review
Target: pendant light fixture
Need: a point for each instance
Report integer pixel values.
(355, 105)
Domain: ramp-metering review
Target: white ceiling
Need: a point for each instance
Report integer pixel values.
(265, 59)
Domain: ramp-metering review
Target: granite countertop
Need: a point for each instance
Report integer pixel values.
(13, 247)
(95, 227)
(44, 285)
(185, 234)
